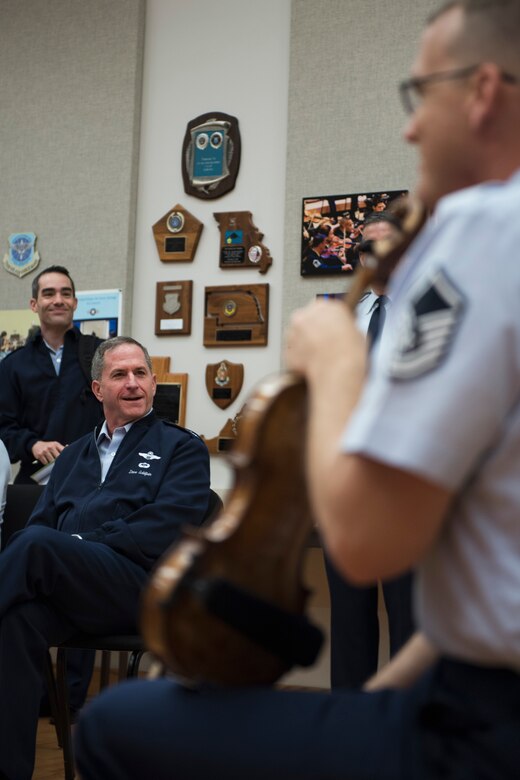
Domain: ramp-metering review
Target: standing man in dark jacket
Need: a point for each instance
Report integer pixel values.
(46, 403)
(115, 501)
(45, 396)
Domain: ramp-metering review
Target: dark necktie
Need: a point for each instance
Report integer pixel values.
(377, 320)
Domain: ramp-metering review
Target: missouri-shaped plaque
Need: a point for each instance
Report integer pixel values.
(241, 242)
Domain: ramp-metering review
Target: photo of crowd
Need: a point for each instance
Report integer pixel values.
(332, 229)
(9, 342)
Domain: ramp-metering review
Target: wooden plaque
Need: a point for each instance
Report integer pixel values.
(222, 443)
(224, 382)
(211, 155)
(170, 398)
(160, 366)
(236, 315)
(241, 242)
(173, 308)
(177, 235)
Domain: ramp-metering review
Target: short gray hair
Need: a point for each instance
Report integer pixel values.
(98, 361)
(490, 32)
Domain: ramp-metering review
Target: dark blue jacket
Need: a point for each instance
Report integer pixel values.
(38, 404)
(157, 483)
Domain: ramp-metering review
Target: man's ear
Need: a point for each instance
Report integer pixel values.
(33, 303)
(96, 389)
(485, 94)
(154, 377)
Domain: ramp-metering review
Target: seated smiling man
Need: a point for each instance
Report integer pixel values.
(115, 501)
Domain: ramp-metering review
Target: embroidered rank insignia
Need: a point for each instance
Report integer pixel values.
(427, 330)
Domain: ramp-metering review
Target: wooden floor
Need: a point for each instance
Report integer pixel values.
(49, 758)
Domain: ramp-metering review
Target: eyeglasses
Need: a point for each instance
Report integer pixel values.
(411, 90)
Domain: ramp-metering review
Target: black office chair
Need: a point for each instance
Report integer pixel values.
(20, 502)
(131, 649)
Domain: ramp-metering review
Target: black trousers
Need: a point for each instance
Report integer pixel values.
(460, 722)
(52, 585)
(354, 625)
(80, 663)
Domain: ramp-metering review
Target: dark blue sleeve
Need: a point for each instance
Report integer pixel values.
(182, 499)
(17, 439)
(45, 513)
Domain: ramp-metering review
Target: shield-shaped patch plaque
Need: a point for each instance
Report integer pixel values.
(224, 382)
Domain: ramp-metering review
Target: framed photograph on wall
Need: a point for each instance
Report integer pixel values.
(332, 228)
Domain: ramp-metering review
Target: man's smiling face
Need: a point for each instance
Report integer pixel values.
(127, 386)
(56, 302)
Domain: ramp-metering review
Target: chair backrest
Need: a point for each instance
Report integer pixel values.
(20, 502)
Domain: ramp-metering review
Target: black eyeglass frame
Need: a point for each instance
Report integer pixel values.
(416, 83)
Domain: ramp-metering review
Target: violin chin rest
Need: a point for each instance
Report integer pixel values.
(291, 637)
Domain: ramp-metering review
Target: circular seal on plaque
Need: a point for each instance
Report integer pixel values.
(254, 254)
(230, 308)
(92, 312)
(175, 221)
(201, 140)
(216, 139)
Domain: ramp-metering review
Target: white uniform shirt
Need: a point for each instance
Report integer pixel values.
(364, 311)
(443, 401)
(107, 446)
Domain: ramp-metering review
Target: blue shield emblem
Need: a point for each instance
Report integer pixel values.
(23, 257)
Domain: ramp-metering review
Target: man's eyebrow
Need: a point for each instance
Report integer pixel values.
(53, 289)
(118, 369)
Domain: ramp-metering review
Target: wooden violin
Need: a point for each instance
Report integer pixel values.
(225, 604)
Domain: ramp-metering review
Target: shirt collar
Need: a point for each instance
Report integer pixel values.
(103, 433)
(385, 302)
(51, 349)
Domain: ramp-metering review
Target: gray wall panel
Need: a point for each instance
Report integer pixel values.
(70, 95)
(345, 120)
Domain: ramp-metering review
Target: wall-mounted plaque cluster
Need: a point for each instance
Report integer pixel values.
(234, 315)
